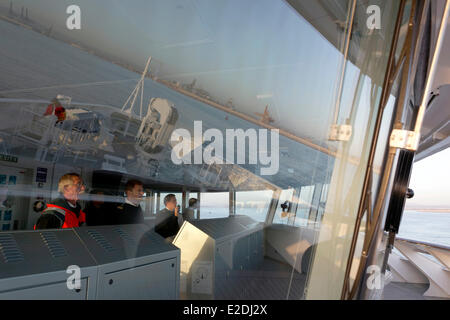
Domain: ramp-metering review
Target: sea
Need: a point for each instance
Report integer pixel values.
(431, 227)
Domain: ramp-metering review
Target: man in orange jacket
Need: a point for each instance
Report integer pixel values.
(57, 109)
(64, 212)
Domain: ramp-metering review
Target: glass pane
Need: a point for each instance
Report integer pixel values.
(254, 204)
(357, 106)
(235, 101)
(282, 212)
(304, 206)
(214, 205)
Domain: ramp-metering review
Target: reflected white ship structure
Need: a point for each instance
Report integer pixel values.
(90, 132)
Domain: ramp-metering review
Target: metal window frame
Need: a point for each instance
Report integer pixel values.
(407, 63)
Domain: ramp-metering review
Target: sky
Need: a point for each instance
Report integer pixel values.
(430, 181)
(257, 52)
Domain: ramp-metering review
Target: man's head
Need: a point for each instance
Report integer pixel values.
(193, 203)
(170, 201)
(134, 190)
(97, 198)
(71, 186)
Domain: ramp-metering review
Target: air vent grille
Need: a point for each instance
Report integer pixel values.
(9, 249)
(125, 236)
(100, 239)
(154, 237)
(53, 244)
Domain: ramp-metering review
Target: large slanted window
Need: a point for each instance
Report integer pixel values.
(234, 99)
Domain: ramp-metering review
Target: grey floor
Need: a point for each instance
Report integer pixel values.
(275, 280)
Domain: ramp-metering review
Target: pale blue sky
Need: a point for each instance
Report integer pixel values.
(430, 181)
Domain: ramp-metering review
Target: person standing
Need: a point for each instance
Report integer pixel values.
(130, 212)
(189, 212)
(64, 212)
(95, 210)
(168, 220)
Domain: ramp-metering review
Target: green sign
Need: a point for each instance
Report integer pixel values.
(4, 157)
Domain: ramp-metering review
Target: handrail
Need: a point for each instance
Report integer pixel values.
(73, 103)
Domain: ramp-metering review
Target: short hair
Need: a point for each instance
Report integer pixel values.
(192, 201)
(169, 198)
(131, 183)
(66, 180)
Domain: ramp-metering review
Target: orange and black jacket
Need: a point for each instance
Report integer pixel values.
(60, 214)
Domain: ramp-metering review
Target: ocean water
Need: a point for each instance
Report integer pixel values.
(432, 227)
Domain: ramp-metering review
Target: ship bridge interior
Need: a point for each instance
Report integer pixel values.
(291, 203)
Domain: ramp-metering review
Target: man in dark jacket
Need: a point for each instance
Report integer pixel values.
(189, 212)
(168, 221)
(96, 209)
(64, 212)
(130, 212)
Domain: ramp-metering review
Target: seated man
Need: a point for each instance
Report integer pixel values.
(64, 212)
(96, 210)
(189, 212)
(130, 212)
(167, 220)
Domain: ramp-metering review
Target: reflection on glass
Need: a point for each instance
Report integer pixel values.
(164, 112)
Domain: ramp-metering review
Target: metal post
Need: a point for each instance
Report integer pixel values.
(183, 199)
(385, 94)
(147, 202)
(232, 202)
(273, 207)
(158, 198)
(313, 212)
(199, 204)
(293, 209)
(152, 202)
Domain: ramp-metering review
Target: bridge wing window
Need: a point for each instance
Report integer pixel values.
(214, 205)
(254, 204)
